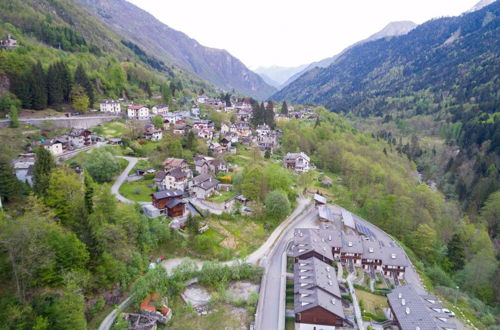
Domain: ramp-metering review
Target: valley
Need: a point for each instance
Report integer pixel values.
(150, 182)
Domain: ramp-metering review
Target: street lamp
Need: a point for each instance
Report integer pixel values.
(456, 295)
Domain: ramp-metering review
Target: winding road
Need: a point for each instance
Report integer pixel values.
(115, 189)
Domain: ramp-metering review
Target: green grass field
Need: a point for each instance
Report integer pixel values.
(112, 129)
(372, 303)
(224, 196)
(137, 191)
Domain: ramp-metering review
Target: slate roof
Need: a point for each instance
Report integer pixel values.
(177, 173)
(325, 213)
(160, 175)
(201, 178)
(168, 193)
(311, 298)
(414, 312)
(312, 272)
(174, 203)
(209, 184)
(320, 199)
(351, 243)
(372, 250)
(393, 255)
(294, 156)
(306, 241)
(173, 162)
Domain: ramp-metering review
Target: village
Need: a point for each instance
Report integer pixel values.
(323, 263)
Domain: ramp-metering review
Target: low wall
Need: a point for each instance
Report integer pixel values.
(64, 122)
(225, 206)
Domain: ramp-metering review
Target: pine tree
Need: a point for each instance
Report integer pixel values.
(58, 84)
(54, 85)
(83, 80)
(10, 187)
(256, 114)
(44, 165)
(166, 94)
(284, 108)
(22, 88)
(456, 252)
(269, 115)
(39, 88)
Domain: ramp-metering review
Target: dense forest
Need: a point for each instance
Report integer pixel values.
(441, 79)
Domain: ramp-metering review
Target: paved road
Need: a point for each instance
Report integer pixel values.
(108, 321)
(115, 189)
(270, 313)
(355, 304)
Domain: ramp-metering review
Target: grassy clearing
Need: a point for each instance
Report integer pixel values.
(141, 165)
(224, 316)
(137, 191)
(372, 303)
(112, 129)
(222, 197)
(242, 235)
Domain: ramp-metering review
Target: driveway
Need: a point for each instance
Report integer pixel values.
(115, 189)
(270, 312)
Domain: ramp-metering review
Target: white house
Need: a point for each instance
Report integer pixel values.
(224, 128)
(138, 112)
(160, 109)
(204, 186)
(56, 148)
(153, 134)
(206, 134)
(299, 162)
(110, 106)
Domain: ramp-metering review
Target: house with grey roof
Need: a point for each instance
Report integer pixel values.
(411, 311)
(203, 186)
(312, 272)
(394, 261)
(352, 249)
(308, 243)
(315, 306)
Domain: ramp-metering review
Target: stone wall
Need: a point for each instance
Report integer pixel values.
(65, 122)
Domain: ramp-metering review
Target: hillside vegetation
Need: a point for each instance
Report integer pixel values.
(60, 31)
(442, 80)
(373, 179)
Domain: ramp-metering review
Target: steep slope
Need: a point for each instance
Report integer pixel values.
(390, 30)
(278, 75)
(214, 65)
(62, 30)
(444, 73)
(480, 5)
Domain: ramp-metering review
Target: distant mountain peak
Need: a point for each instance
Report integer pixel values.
(392, 29)
(480, 5)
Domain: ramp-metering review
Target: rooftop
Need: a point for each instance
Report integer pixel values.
(414, 312)
(168, 194)
(312, 272)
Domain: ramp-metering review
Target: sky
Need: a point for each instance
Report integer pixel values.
(291, 32)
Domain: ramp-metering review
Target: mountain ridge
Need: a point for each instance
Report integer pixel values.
(390, 30)
(214, 65)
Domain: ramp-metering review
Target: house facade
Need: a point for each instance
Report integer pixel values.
(160, 109)
(8, 42)
(299, 162)
(169, 202)
(138, 112)
(110, 106)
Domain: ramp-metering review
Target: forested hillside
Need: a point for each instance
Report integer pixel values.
(442, 80)
(371, 178)
(61, 46)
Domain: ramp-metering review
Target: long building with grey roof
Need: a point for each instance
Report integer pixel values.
(411, 311)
